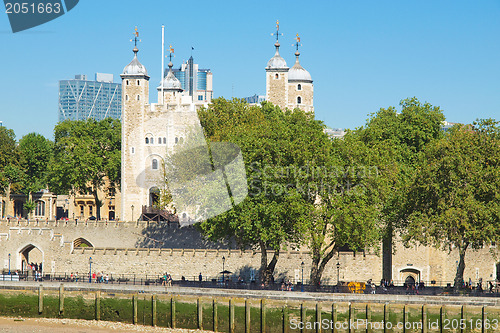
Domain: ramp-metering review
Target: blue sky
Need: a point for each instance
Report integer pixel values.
(362, 55)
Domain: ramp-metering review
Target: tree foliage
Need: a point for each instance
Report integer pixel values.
(275, 144)
(87, 157)
(396, 141)
(455, 198)
(35, 153)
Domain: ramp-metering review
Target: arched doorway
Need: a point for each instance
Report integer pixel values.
(111, 215)
(30, 254)
(18, 208)
(409, 281)
(154, 196)
(410, 275)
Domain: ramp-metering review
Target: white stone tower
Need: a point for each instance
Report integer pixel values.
(135, 96)
(277, 77)
(149, 133)
(300, 85)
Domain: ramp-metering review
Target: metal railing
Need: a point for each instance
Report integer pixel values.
(231, 282)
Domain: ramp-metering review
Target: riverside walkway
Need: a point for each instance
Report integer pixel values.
(257, 294)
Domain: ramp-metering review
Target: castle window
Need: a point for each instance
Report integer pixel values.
(81, 210)
(151, 140)
(127, 82)
(299, 100)
(91, 210)
(138, 97)
(40, 208)
(154, 164)
(277, 76)
(299, 87)
(133, 149)
(138, 82)
(164, 141)
(176, 140)
(147, 141)
(126, 97)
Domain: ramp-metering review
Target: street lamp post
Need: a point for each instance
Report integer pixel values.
(90, 269)
(338, 273)
(9, 263)
(302, 282)
(223, 269)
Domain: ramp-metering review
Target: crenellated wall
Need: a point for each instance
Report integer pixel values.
(154, 248)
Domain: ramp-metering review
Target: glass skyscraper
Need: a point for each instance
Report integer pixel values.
(81, 99)
(194, 80)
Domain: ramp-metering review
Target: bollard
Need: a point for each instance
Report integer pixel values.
(262, 316)
(134, 309)
(385, 318)
(483, 318)
(334, 317)
(153, 310)
(302, 315)
(351, 317)
(61, 299)
(404, 318)
(368, 318)
(424, 319)
(199, 314)
(247, 316)
(441, 319)
(318, 317)
(172, 312)
(40, 299)
(286, 327)
(231, 315)
(214, 314)
(98, 305)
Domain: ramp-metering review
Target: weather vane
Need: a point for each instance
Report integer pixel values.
(297, 44)
(171, 51)
(277, 33)
(136, 37)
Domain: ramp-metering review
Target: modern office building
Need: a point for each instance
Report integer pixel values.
(255, 99)
(195, 81)
(81, 99)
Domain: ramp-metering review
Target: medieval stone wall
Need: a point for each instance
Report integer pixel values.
(152, 248)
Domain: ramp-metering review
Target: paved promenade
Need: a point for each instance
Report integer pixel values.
(257, 294)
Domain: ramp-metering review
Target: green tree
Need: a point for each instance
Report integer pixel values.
(396, 140)
(10, 173)
(455, 198)
(274, 145)
(346, 210)
(35, 152)
(87, 157)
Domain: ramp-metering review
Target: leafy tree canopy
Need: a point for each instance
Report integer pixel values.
(87, 157)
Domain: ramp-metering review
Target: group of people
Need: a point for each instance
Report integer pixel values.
(167, 280)
(98, 277)
(36, 270)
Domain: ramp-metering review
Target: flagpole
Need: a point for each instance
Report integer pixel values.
(162, 60)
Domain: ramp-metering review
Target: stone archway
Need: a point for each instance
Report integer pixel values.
(30, 254)
(154, 196)
(410, 281)
(410, 275)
